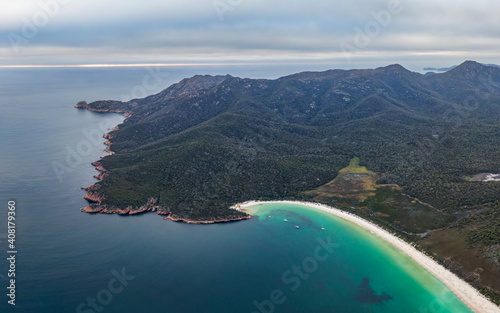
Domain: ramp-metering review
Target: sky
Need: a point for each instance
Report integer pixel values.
(337, 33)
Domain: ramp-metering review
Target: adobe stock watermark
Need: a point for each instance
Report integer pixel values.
(223, 6)
(48, 9)
(105, 296)
(153, 80)
(372, 29)
(296, 275)
(74, 155)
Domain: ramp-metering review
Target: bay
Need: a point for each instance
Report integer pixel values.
(67, 258)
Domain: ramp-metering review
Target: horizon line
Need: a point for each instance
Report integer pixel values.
(121, 65)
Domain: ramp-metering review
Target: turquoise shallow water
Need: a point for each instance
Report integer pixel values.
(362, 274)
(67, 258)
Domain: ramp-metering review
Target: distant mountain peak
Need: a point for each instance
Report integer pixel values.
(471, 64)
(207, 79)
(393, 68)
(469, 69)
(468, 63)
(199, 82)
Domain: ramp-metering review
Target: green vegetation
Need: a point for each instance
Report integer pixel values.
(484, 225)
(356, 187)
(406, 213)
(354, 167)
(209, 142)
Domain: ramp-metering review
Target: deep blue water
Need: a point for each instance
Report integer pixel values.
(66, 258)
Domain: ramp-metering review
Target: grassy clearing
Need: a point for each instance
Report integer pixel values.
(354, 167)
(356, 186)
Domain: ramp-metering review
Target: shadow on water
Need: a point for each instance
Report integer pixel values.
(366, 295)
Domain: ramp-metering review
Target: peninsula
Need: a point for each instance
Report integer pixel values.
(206, 143)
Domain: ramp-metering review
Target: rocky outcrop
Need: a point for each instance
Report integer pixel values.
(105, 107)
(98, 166)
(93, 196)
(107, 150)
(93, 208)
(107, 136)
(188, 221)
(150, 206)
(97, 207)
(91, 188)
(101, 176)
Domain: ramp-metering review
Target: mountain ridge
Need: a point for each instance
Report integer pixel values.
(206, 143)
(388, 95)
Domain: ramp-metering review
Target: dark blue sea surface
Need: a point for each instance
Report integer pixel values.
(68, 261)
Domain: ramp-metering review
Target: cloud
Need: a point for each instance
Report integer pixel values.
(158, 30)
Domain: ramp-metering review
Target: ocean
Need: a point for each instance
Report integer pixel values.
(68, 261)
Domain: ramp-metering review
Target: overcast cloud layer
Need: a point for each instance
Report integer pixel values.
(242, 31)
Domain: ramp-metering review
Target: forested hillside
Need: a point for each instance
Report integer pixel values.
(206, 143)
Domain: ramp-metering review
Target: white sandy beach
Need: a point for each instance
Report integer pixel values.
(468, 294)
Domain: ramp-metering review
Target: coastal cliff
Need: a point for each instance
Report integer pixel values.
(97, 200)
(188, 221)
(96, 205)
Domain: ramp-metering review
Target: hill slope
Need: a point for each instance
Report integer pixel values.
(209, 142)
(206, 143)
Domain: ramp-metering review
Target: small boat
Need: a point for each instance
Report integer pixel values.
(297, 227)
(322, 228)
(285, 220)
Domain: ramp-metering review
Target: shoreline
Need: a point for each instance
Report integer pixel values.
(205, 222)
(92, 195)
(84, 105)
(103, 209)
(95, 198)
(471, 297)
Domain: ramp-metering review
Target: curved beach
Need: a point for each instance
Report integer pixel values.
(468, 294)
